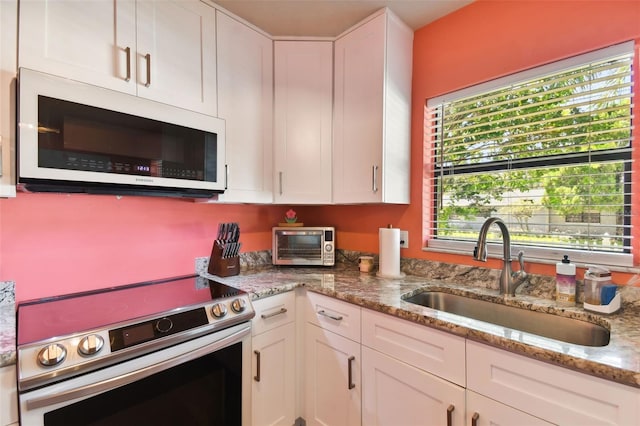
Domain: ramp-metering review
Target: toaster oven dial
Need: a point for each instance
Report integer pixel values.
(238, 305)
(219, 310)
(91, 344)
(52, 354)
(328, 248)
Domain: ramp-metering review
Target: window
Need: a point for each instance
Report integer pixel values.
(548, 151)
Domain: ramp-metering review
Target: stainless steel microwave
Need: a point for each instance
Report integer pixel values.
(304, 246)
(76, 137)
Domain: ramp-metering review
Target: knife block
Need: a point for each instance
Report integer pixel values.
(222, 267)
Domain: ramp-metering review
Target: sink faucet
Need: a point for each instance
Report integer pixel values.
(509, 280)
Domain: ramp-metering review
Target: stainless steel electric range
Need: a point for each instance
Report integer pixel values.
(174, 351)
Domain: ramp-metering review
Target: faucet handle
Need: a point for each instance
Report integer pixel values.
(521, 262)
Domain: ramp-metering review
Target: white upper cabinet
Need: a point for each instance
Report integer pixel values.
(372, 112)
(160, 50)
(245, 102)
(8, 46)
(303, 109)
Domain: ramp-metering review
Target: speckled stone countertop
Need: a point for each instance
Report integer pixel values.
(7, 324)
(619, 361)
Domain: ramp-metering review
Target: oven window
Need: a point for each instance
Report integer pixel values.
(307, 245)
(205, 391)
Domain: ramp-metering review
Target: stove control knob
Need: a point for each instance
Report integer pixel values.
(91, 344)
(219, 310)
(238, 305)
(164, 325)
(52, 355)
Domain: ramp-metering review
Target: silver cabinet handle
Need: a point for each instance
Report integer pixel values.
(257, 376)
(148, 58)
(128, 52)
(273, 314)
(333, 317)
(226, 176)
(350, 367)
(450, 409)
(280, 181)
(374, 185)
(474, 419)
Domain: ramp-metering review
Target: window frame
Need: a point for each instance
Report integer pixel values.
(538, 254)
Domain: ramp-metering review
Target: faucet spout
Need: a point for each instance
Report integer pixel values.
(509, 280)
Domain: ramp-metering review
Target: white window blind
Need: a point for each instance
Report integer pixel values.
(549, 154)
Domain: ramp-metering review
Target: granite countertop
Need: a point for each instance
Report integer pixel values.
(619, 361)
(7, 334)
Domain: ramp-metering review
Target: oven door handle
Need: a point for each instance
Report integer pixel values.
(133, 376)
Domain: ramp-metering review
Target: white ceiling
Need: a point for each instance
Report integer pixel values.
(329, 18)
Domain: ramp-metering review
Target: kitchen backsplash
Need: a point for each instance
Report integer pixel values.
(542, 286)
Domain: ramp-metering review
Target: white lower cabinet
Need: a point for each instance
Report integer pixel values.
(273, 365)
(332, 377)
(483, 411)
(554, 394)
(8, 396)
(396, 393)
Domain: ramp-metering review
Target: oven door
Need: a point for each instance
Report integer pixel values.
(205, 381)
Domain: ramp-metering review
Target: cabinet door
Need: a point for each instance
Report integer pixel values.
(482, 411)
(8, 68)
(303, 108)
(372, 112)
(552, 393)
(176, 53)
(357, 139)
(332, 395)
(8, 395)
(273, 391)
(395, 393)
(245, 102)
(92, 42)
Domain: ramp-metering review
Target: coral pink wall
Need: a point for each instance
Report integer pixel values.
(480, 42)
(57, 243)
(52, 244)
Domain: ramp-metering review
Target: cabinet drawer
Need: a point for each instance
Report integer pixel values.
(334, 315)
(273, 312)
(434, 351)
(552, 393)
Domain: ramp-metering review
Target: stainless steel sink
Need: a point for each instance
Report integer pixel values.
(567, 330)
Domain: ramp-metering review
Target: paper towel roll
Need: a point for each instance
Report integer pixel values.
(389, 263)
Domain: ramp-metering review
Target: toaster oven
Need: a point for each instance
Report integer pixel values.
(303, 246)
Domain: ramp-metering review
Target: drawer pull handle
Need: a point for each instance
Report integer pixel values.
(257, 376)
(450, 409)
(350, 365)
(333, 317)
(148, 58)
(273, 314)
(128, 52)
(474, 419)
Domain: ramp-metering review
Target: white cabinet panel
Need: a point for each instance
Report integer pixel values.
(395, 393)
(487, 412)
(303, 117)
(332, 393)
(245, 102)
(160, 50)
(273, 390)
(431, 350)
(372, 112)
(8, 395)
(555, 394)
(334, 315)
(8, 68)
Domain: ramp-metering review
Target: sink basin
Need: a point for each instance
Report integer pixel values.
(567, 330)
